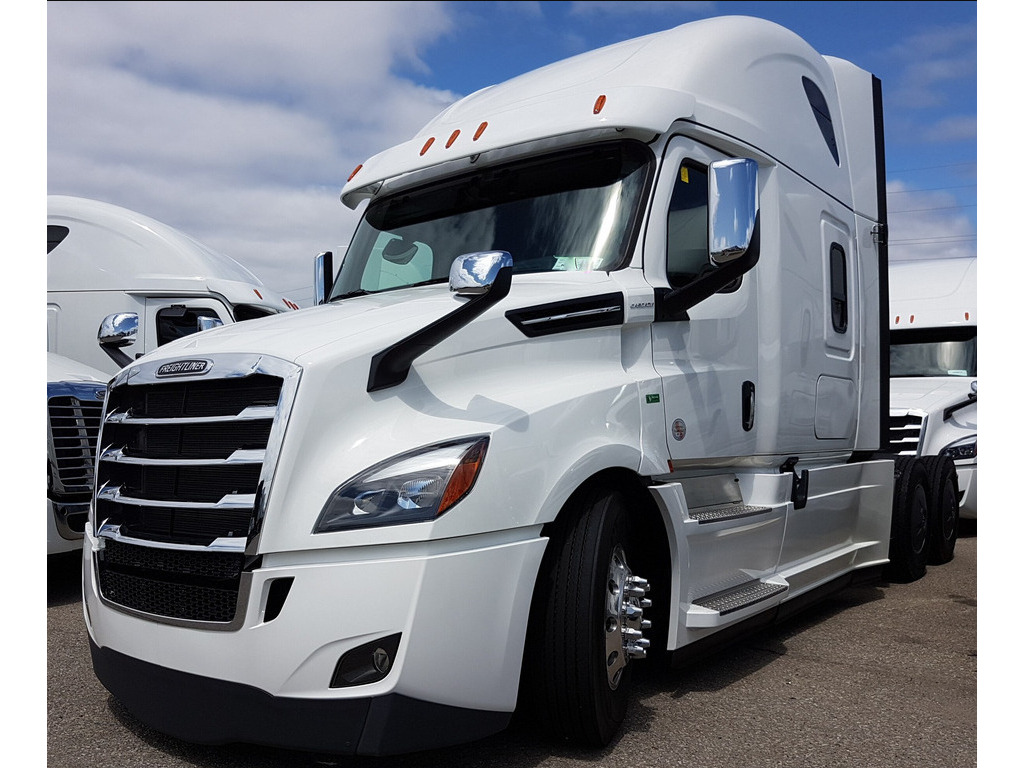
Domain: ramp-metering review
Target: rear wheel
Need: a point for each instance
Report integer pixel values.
(908, 543)
(943, 507)
(590, 626)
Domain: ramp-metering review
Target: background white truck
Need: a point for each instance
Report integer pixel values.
(601, 375)
(933, 322)
(146, 284)
(105, 260)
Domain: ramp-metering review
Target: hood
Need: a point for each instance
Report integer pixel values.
(60, 368)
(361, 326)
(929, 394)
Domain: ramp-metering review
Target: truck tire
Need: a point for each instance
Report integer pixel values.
(591, 609)
(908, 542)
(943, 508)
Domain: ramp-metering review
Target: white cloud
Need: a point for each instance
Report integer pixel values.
(927, 224)
(237, 123)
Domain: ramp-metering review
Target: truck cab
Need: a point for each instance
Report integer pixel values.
(933, 327)
(105, 260)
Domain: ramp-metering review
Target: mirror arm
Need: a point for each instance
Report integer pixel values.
(120, 358)
(390, 366)
(673, 303)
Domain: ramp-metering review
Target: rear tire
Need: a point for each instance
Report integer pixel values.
(590, 611)
(908, 542)
(943, 507)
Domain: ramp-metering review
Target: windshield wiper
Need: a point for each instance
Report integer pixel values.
(349, 295)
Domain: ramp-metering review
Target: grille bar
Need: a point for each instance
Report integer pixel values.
(240, 456)
(253, 413)
(235, 501)
(906, 431)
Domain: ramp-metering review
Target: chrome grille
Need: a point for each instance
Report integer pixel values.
(74, 416)
(906, 431)
(181, 479)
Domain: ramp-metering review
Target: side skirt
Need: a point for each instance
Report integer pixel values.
(713, 644)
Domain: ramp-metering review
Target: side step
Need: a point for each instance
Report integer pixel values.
(709, 611)
(719, 512)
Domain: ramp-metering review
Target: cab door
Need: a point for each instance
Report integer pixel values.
(708, 355)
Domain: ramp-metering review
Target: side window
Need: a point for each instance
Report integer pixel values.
(687, 238)
(177, 321)
(837, 287)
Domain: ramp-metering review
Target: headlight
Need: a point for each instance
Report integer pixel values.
(410, 488)
(966, 448)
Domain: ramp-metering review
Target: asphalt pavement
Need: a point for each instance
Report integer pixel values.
(878, 676)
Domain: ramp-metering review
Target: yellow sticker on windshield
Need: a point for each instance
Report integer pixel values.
(684, 175)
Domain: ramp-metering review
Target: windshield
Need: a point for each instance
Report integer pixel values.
(571, 211)
(934, 352)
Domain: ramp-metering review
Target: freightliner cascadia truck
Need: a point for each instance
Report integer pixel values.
(601, 376)
(933, 397)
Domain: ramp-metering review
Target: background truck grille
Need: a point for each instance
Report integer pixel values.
(906, 429)
(74, 425)
(181, 468)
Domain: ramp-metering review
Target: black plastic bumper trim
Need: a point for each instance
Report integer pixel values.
(204, 710)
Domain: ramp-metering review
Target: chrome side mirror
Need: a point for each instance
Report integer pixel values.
(323, 276)
(116, 331)
(732, 208)
(474, 273)
(204, 323)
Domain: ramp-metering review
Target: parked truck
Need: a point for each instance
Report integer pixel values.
(149, 282)
(933, 321)
(119, 284)
(601, 377)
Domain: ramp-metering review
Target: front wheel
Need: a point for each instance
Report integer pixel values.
(590, 626)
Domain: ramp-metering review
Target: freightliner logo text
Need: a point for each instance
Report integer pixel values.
(183, 368)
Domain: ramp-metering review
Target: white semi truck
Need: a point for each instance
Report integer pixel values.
(117, 283)
(600, 377)
(933, 321)
(149, 282)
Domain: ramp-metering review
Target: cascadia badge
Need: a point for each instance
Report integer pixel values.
(183, 368)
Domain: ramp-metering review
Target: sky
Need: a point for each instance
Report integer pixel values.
(239, 122)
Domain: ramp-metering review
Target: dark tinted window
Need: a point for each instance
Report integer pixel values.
(177, 321)
(55, 235)
(837, 281)
(821, 113)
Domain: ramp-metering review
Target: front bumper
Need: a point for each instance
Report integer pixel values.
(209, 711)
(460, 606)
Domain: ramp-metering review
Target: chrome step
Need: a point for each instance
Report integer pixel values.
(719, 512)
(734, 599)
